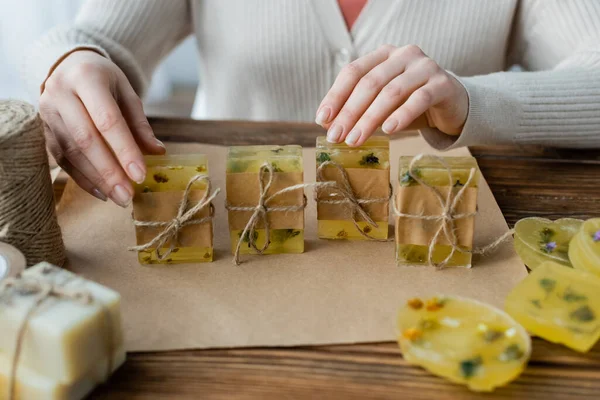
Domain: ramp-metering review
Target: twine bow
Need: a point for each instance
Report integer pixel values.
(44, 289)
(354, 205)
(261, 210)
(183, 218)
(448, 216)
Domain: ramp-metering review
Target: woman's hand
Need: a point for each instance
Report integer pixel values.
(96, 128)
(391, 87)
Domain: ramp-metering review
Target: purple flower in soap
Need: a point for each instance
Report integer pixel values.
(550, 247)
(596, 236)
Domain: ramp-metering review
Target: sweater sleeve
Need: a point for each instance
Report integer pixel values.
(556, 101)
(135, 34)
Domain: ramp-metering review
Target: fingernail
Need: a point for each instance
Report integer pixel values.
(121, 196)
(389, 126)
(323, 116)
(98, 194)
(136, 173)
(334, 133)
(353, 137)
(161, 144)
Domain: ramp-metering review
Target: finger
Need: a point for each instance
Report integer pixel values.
(386, 101)
(84, 143)
(418, 103)
(57, 125)
(346, 81)
(133, 111)
(104, 111)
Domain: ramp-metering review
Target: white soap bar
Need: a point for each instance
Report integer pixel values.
(65, 338)
(30, 385)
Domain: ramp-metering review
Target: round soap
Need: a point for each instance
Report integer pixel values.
(12, 261)
(464, 341)
(538, 240)
(584, 249)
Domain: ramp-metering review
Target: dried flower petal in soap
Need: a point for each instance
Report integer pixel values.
(463, 340)
(584, 248)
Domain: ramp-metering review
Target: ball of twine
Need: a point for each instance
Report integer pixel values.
(26, 195)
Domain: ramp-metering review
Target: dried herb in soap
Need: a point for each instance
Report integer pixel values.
(201, 168)
(247, 237)
(159, 177)
(492, 335)
(369, 160)
(468, 368)
(415, 303)
(547, 284)
(276, 168)
(322, 157)
(512, 353)
(282, 235)
(583, 314)
(407, 179)
(572, 296)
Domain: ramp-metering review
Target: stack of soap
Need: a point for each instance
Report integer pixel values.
(286, 228)
(158, 198)
(368, 170)
(463, 340)
(558, 304)
(415, 235)
(584, 249)
(69, 346)
(538, 240)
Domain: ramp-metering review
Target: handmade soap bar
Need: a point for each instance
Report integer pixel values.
(423, 196)
(558, 304)
(30, 385)
(282, 167)
(584, 249)
(76, 326)
(157, 199)
(538, 240)
(365, 173)
(463, 340)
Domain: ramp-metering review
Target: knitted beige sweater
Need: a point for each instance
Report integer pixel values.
(276, 59)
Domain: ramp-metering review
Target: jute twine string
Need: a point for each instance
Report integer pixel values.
(265, 180)
(345, 196)
(44, 289)
(448, 216)
(26, 195)
(184, 217)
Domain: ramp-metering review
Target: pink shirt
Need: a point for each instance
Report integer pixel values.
(351, 10)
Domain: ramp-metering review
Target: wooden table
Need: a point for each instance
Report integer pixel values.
(525, 181)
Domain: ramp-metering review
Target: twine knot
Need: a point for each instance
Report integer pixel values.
(185, 217)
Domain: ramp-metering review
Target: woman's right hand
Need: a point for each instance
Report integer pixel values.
(96, 128)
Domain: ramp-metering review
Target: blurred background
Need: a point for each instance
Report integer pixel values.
(173, 86)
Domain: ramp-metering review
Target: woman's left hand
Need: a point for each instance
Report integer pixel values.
(391, 87)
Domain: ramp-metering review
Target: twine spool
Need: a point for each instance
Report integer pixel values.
(26, 195)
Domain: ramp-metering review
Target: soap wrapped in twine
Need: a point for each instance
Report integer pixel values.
(26, 195)
(185, 217)
(43, 288)
(260, 212)
(346, 197)
(448, 216)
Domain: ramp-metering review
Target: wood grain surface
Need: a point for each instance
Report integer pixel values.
(526, 181)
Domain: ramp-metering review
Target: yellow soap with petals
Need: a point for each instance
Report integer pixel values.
(558, 304)
(464, 341)
(158, 197)
(538, 240)
(584, 248)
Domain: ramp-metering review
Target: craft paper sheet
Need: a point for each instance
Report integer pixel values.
(336, 292)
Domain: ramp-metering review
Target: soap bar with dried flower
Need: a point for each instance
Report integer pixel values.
(584, 248)
(538, 240)
(464, 341)
(422, 224)
(157, 199)
(368, 173)
(558, 304)
(286, 228)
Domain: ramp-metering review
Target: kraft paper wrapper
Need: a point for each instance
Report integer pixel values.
(420, 200)
(163, 207)
(366, 183)
(335, 292)
(243, 191)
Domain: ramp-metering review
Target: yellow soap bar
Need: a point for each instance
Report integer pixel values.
(558, 304)
(584, 248)
(368, 171)
(65, 339)
(538, 240)
(464, 341)
(414, 235)
(286, 227)
(158, 199)
(30, 385)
